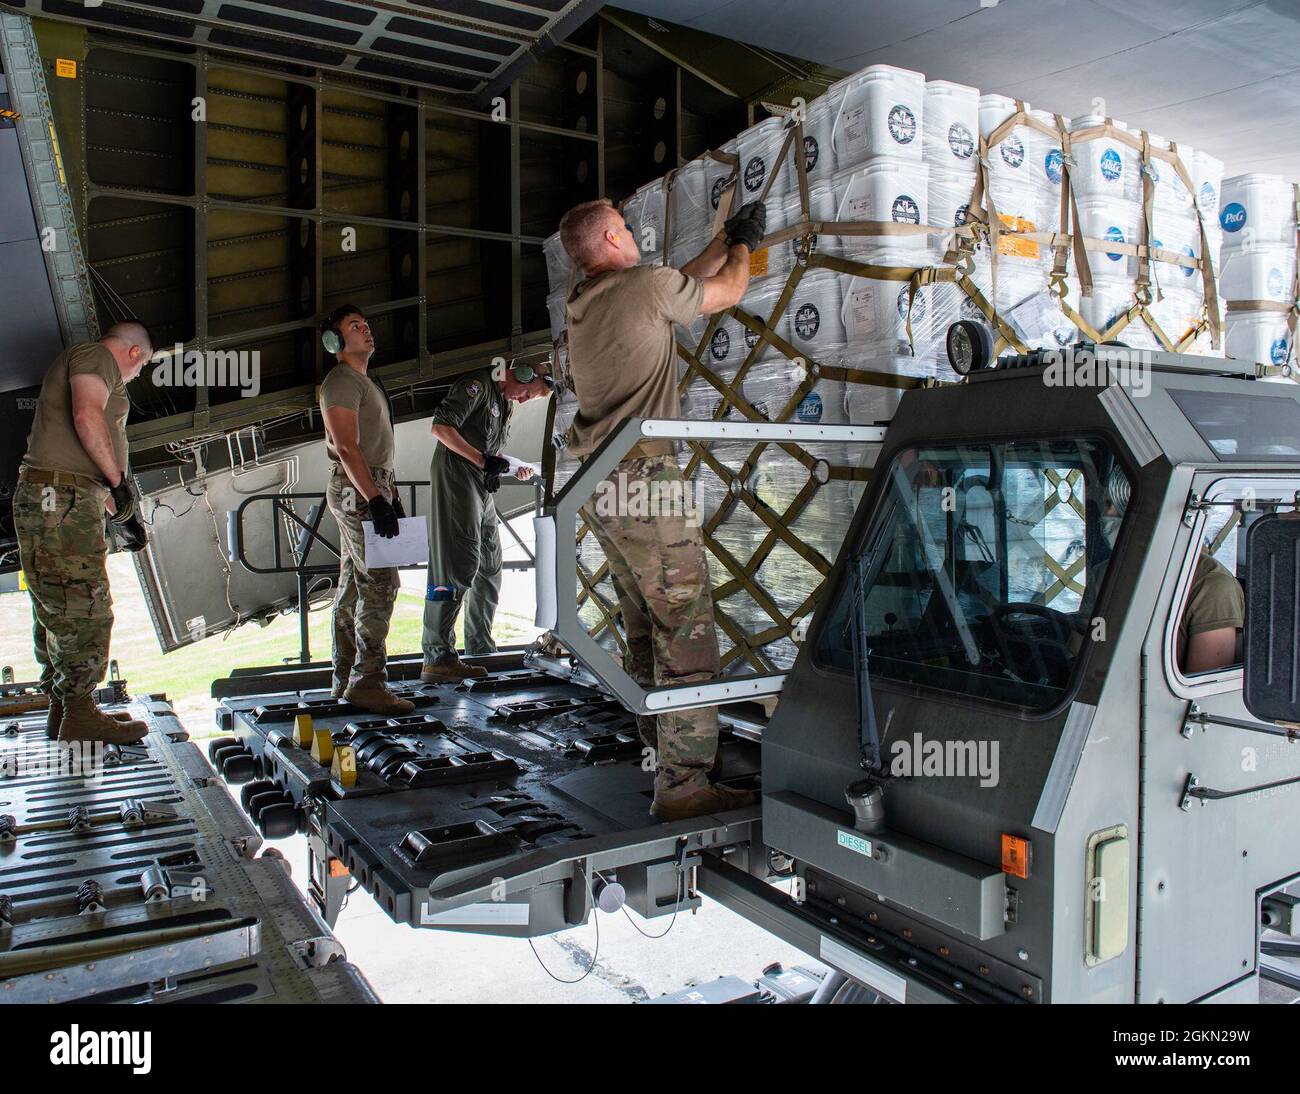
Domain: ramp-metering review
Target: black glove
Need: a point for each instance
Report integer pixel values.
(398, 507)
(748, 226)
(492, 483)
(124, 504)
(495, 465)
(384, 516)
(131, 533)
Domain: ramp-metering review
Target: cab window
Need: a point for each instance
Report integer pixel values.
(981, 570)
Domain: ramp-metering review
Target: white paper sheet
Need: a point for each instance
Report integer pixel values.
(409, 547)
(516, 464)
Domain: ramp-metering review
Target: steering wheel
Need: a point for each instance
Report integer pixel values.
(1048, 657)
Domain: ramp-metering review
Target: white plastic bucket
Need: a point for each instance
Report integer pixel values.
(1105, 166)
(886, 188)
(818, 146)
(948, 202)
(875, 316)
(558, 263)
(952, 126)
(1260, 337)
(690, 214)
(1178, 232)
(556, 308)
(1110, 297)
(1207, 178)
(760, 149)
(1025, 155)
(1257, 209)
(1114, 220)
(771, 386)
(1168, 190)
(821, 207)
(883, 113)
(813, 320)
(644, 210)
(1262, 272)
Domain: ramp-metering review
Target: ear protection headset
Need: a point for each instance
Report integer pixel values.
(526, 374)
(331, 337)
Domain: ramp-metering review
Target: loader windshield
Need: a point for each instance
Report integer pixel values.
(980, 572)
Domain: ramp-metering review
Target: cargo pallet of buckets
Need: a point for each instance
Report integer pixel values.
(895, 207)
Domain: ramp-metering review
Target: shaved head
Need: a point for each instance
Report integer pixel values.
(133, 333)
(583, 228)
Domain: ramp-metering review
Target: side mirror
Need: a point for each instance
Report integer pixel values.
(1272, 681)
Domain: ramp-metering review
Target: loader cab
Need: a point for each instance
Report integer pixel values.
(1000, 655)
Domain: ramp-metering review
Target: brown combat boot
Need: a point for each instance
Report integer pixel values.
(376, 698)
(84, 721)
(697, 801)
(55, 716)
(450, 670)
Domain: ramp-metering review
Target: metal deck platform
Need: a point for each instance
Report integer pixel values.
(129, 875)
(497, 807)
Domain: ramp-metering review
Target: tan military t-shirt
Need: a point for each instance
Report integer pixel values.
(1214, 601)
(622, 353)
(346, 388)
(53, 444)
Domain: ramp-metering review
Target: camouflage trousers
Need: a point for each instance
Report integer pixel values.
(363, 603)
(659, 569)
(63, 548)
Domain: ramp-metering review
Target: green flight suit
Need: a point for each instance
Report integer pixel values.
(464, 542)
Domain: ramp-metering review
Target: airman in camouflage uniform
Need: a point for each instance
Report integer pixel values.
(362, 487)
(623, 362)
(76, 449)
(470, 424)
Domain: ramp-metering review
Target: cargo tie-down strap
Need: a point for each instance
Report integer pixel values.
(1002, 233)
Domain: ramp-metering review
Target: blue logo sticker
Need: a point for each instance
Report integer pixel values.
(755, 173)
(961, 216)
(1115, 235)
(1277, 351)
(1233, 217)
(1189, 270)
(1013, 151)
(1275, 286)
(751, 339)
(961, 141)
(810, 409)
(1054, 165)
(1209, 199)
(902, 124)
(716, 195)
(720, 344)
(1111, 165)
(807, 321)
(906, 210)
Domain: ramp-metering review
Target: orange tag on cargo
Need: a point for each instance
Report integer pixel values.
(65, 68)
(758, 263)
(1015, 856)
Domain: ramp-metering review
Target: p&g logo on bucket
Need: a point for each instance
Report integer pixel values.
(751, 338)
(906, 210)
(755, 173)
(720, 344)
(1277, 352)
(1111, 165)
(1115, 235)
(716, 195)
(961, 216)
(1013, 151)
(1189, 253)
(809, 409)
(1209, 198)
(1275, 285)
(961, 141)
(807, 321)
(1233, 217)
(902, 124)
(1054, 165)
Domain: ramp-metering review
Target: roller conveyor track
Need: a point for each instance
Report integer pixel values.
(489, 809)
(128, 875)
